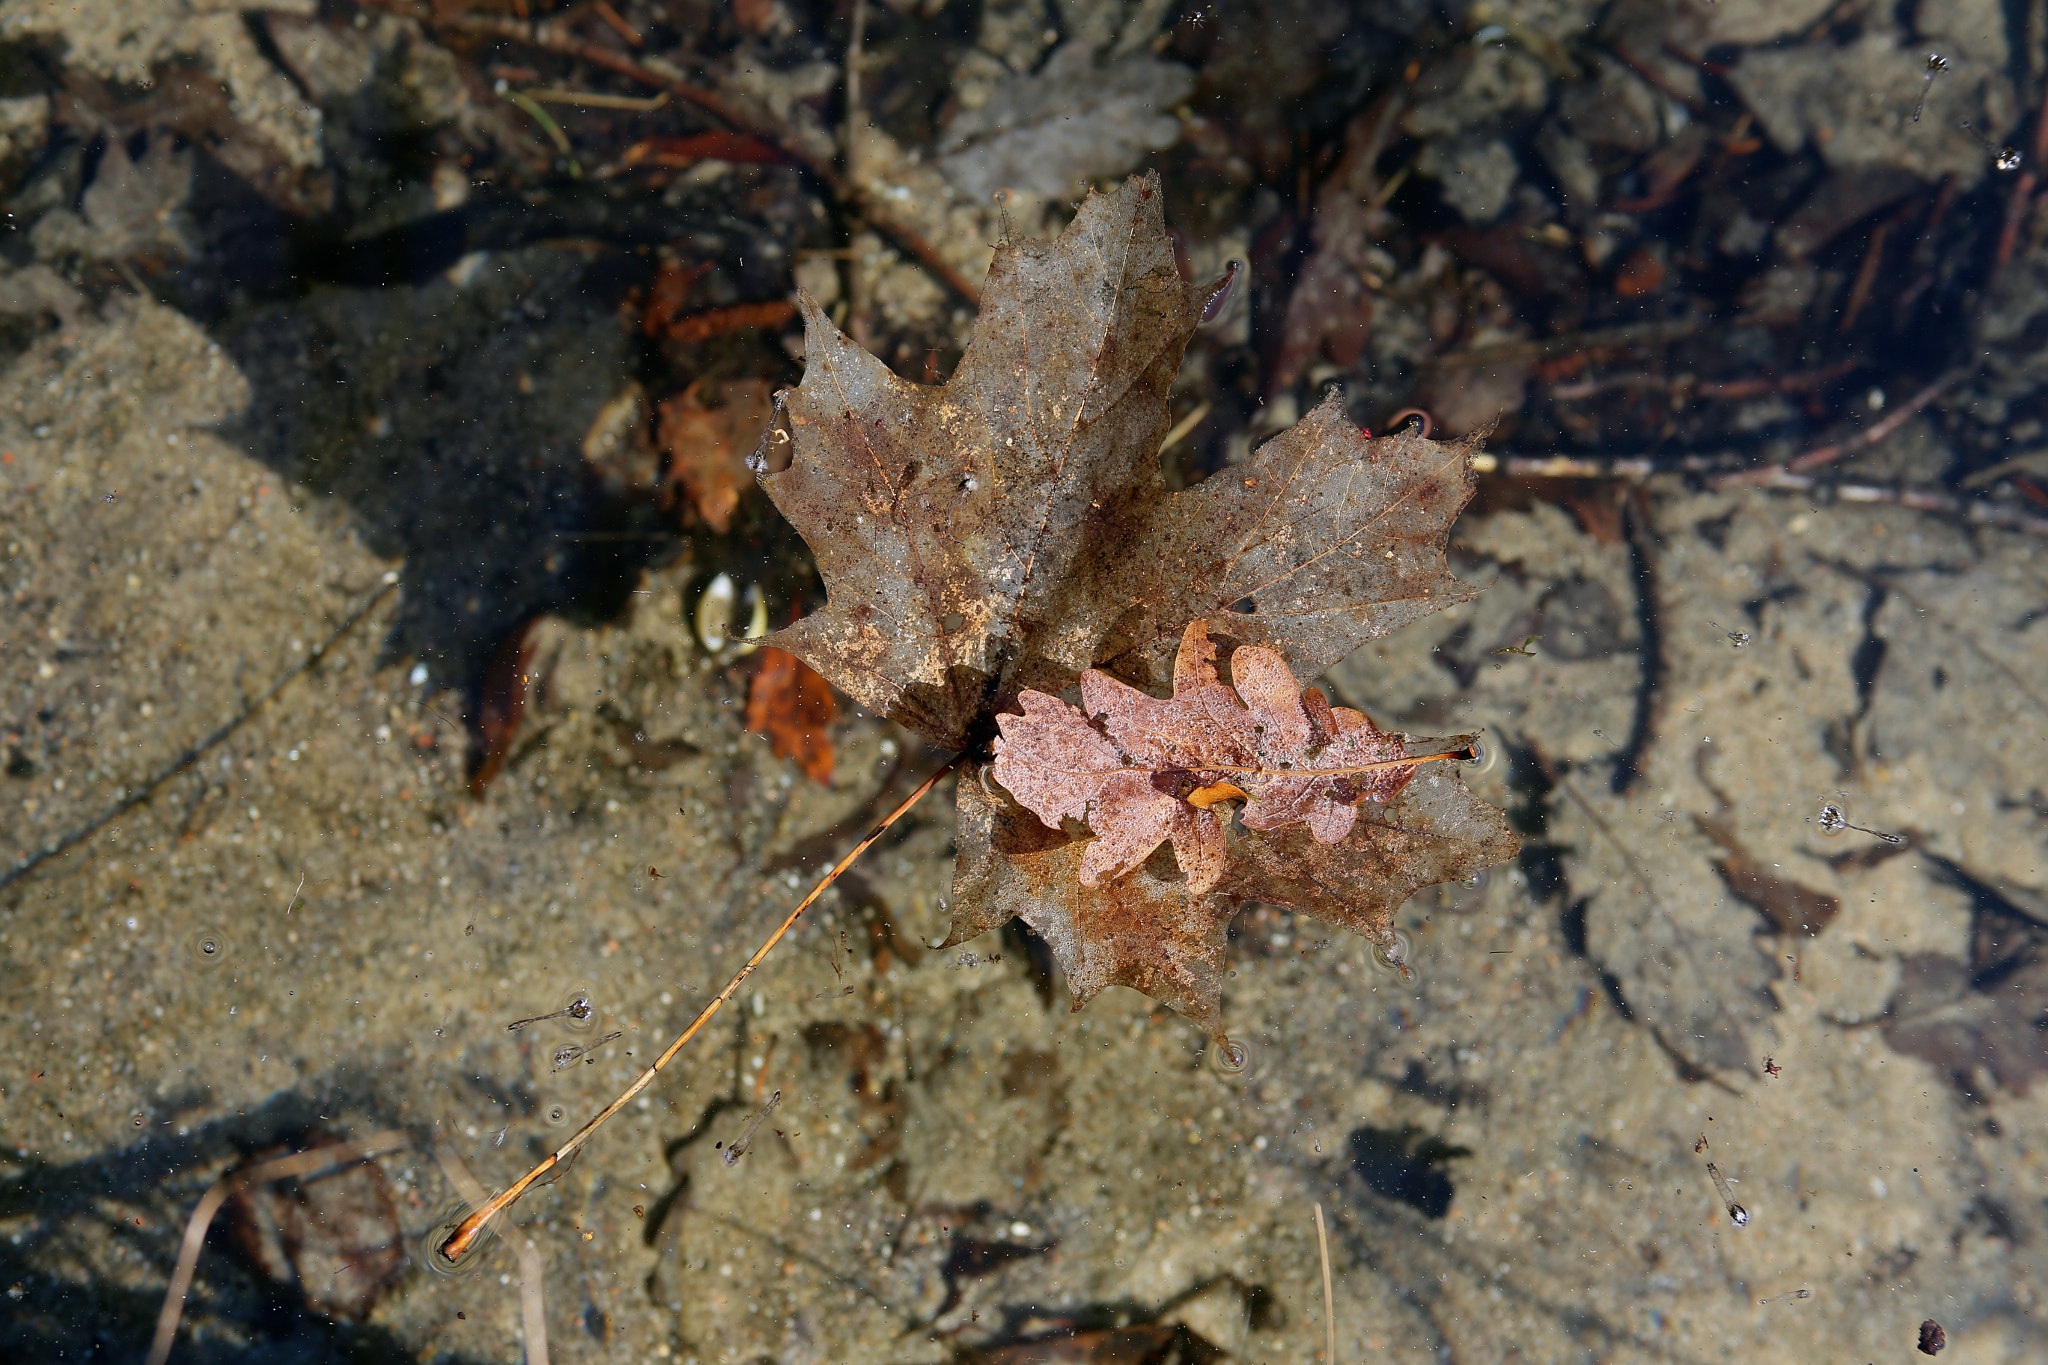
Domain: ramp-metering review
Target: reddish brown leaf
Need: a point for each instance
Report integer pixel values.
(681, 152)
(788, 702)
(672, 285)
(738, 318)
(1295, 758)
(708, 446)
(500, 704)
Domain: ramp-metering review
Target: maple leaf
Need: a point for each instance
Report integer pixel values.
(788, 702)
(1008, 533)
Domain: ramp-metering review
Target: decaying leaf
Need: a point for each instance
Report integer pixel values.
(1077, 119)
(1791, 908)
(707, 445)
(1985, 1019)
(1008, 531)
(788, 702)
(1164, 765)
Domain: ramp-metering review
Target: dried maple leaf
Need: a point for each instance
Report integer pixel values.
(788, 702)
(1008, 531)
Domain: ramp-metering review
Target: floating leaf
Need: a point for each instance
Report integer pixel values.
(994, 542)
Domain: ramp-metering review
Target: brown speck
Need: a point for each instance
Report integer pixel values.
(1932, 1338)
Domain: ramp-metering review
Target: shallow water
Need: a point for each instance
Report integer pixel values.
(360, 491)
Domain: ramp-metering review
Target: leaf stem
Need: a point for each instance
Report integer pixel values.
(1414, 761)
(466, 1233)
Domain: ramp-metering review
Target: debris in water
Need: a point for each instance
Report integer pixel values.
(739, 1146)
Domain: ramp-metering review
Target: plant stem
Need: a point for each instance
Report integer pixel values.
(467, 1232)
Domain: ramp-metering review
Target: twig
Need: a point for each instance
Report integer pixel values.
(1973, 510)
(29, 863)
(1329, 1299)
(319, 1159)
(1180, 430)
(533, 1303)
(549, 37)
(466, 1233)
(1641, 533)
(1863, 440)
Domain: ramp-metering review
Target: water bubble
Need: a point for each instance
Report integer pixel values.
(1833, 818)
(1230, 1057)
(418, 676)
(209, 946)
(474, 1259)
(555, 1115)
(138, 1119)
(1397, 958)
(1483, 757)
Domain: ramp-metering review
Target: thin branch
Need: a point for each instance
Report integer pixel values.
(1863, 440)
(551, 37)
(318, 1160)
(30, 862)
(465, 1234)
(1329, 1299)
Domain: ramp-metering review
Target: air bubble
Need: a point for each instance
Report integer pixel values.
(1396, 958)
(555, 1115)
(1833, 818)
(209, 946)
(138, 1119)
(1230, 1057)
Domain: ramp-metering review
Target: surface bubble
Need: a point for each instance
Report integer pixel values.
(1231, 1057)
(1398, 959)
(555, 1115)
(209, 946)
(1833, 818)
(480, 1251)
(579, 1009)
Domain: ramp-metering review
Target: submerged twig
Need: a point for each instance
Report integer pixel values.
(459, 1242)
(31, 862)
(1329, 1299)
(1863, 440)
(552, 37)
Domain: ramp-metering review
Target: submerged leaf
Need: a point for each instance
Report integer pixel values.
(788, 702)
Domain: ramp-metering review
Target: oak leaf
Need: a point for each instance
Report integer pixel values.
(1159, 767)
(1009, 531)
